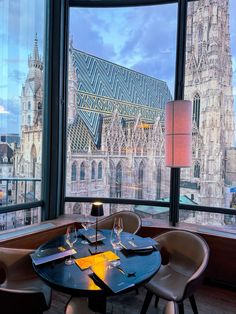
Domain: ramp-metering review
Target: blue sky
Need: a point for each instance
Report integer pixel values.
(132, 37)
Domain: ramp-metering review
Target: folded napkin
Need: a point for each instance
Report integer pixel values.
(139, 244)
(90, 235)
(88, 261)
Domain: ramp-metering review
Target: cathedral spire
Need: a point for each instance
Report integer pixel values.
(36, 50)
(34, 61)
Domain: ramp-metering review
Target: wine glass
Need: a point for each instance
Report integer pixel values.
(85, 224)
(115, 242)
(118, 228)
(71, 238)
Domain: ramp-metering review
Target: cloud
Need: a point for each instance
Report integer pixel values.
(85, 34)
(17, 76)
(3, 110)
(9, 115)
(24, 18)
(131, 37)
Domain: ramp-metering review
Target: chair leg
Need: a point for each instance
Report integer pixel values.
(181, 308)
(156, 301)
(193, 304)
(146, 302)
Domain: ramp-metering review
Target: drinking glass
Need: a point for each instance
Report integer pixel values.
(118, 225)
(71, 238)
(118, 228)
(115, 242)
(85, 224)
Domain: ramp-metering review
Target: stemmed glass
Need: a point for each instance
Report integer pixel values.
(71, 238)
(85, 224)
(118, 228)
(115, 242)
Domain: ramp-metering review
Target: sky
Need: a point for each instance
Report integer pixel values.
(139, 38)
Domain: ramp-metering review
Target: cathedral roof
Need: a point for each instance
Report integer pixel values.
(80, 136)
(106, 80)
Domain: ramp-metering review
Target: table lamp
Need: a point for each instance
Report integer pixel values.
(96, 211)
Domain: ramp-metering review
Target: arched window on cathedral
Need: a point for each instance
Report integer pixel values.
(145, 150)
(138, 149)
(100, 170)
(29, 105)
(196, 170)
(196, 109)
(112, 179)
(74, 171)
(139, 193)
(158, 182)
(118, 180)
(82, 171)
(33, 156)
(93, 170)
(29, 119)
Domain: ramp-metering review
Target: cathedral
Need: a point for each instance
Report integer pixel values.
(115, 131)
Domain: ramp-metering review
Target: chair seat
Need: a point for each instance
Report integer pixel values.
(168, 284)
(30, 284)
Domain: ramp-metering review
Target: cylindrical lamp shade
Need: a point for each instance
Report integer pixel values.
(97, 209)
(178, 133)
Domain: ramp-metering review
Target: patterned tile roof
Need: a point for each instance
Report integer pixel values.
(105, 85)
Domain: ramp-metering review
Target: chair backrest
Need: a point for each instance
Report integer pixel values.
(131, 221)
(21, 291)
(171, 308)
(188, 254)
(12, 260)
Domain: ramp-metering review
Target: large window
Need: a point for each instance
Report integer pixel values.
(210, 83)
(21, 108)
(121, 74)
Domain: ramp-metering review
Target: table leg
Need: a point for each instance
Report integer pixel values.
(97, 303)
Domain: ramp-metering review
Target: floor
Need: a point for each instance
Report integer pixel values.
(210, 300)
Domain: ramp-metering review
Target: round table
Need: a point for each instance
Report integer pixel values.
(74, 281)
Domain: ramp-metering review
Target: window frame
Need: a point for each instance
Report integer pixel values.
(174, 203)
(55, 99)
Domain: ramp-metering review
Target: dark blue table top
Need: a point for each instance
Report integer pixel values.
(71, 279)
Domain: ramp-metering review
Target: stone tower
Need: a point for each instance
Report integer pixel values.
(32, 90)
(28, 158)
(208, 83)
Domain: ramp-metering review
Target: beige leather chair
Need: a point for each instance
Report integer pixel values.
(171, 308)
(21, 291)
(131, 221)
(185, 257)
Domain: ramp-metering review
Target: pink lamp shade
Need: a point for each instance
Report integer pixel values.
(178, 128)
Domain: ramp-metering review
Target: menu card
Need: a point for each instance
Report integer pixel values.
(90, 235)
(50, 254)
(139, 244)
(112, 277)
(88, 261)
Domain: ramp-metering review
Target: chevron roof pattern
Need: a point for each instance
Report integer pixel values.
(97, 77)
